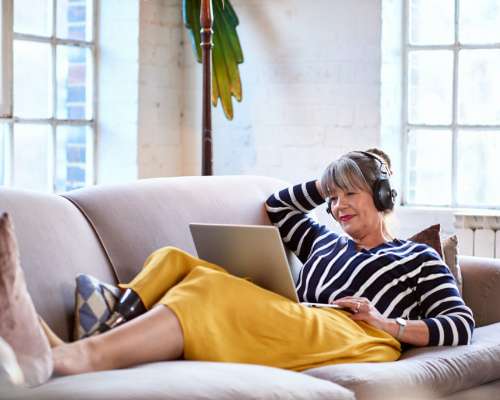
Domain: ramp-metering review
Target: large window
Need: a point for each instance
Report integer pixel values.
(451, 103)
(47, 130)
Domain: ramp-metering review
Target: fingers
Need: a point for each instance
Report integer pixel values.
(355, 304)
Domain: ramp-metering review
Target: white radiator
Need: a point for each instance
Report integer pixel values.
(478, 235)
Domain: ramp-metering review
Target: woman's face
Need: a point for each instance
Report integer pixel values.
(356, 213)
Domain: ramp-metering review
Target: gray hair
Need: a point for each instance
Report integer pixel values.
(354, 171)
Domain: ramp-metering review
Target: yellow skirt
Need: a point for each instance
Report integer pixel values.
(226, 318)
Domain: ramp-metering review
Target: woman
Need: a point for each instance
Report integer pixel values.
(396, 291)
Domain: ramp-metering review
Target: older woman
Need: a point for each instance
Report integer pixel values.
(399, 286)
(396, 291)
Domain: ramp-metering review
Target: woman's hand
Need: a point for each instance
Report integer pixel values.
(415, 333)
(363, 310)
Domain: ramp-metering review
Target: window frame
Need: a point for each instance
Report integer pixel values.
(454, 126)
(7, 118)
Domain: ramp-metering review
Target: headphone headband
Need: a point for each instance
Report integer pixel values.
(384, 168)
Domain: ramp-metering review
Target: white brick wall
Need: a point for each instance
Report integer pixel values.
(118, 94)
(311, 88)
(160, 88)
(311, 82)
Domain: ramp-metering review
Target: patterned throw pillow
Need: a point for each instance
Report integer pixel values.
(94, 304)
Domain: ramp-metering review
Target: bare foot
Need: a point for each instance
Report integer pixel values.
(73, 358)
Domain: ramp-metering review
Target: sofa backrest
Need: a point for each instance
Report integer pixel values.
(134, 219)
(55, 243)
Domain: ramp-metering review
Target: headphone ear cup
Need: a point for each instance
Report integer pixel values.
(383, 195)
(329, 206)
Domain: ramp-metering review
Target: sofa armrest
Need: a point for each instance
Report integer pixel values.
(481, 287)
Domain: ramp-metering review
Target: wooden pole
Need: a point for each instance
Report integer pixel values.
(206, 19)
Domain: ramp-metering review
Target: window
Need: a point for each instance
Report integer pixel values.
(47, 125)
(451, 103)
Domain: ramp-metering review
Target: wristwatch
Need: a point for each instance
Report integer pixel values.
(402, 325)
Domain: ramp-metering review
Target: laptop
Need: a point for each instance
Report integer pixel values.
(251, 251)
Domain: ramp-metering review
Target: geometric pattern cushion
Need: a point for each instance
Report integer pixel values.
(94, 304)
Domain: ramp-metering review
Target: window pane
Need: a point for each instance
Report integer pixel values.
(478, 166)
(74, 82)
(430, 83)
(432, 22)
(429, 167)
(31, 156)
(73, 161)
(479, 21)
(33, 17)
(32, 79)
(74, 19)
(479, 83)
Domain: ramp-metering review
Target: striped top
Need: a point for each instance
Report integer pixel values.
(401, 278)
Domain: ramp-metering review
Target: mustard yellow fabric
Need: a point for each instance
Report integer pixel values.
(226, 318)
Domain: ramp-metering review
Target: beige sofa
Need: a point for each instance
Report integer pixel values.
(108, 232)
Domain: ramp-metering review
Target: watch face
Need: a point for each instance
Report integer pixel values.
(401, 321)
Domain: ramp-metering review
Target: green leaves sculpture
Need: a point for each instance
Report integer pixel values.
(226, 53)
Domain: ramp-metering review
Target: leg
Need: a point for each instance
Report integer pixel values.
(163, 269)
(154, 336)
(53, 339)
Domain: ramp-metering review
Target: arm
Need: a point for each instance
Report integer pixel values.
(288, 211)
(415, 333)
(449, 320)
(446, 319)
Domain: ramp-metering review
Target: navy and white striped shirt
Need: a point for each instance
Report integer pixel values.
(401, 278)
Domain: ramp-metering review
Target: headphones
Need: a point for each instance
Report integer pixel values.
(383, 195)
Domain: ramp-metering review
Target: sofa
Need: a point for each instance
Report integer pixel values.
(108, 231)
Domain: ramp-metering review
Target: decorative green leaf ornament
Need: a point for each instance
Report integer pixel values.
(226, 53)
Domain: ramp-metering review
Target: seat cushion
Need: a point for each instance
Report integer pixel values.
(431, 371)
(187, 380)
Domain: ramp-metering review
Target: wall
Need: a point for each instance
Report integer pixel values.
(140, 98)
(118, 52)
(160, 88)
(311, 89)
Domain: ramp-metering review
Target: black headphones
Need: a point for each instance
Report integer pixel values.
(384, 196)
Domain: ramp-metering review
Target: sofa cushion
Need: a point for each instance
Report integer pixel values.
(429, 236)
(188, 380)
(94, 304)
(450, 255)
(19, 325)
(55, 243)
(426, 371)
(135, 219)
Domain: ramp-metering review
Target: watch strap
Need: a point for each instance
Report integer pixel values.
(401, 327)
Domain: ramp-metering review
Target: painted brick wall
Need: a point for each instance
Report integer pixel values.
(160, 90)
(311, 82)
(118, 35)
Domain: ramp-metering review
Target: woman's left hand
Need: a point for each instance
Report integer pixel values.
(362, 310)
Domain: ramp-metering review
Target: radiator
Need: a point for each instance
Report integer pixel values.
(478, 235)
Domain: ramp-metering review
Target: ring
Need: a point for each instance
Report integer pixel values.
(358, 305)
